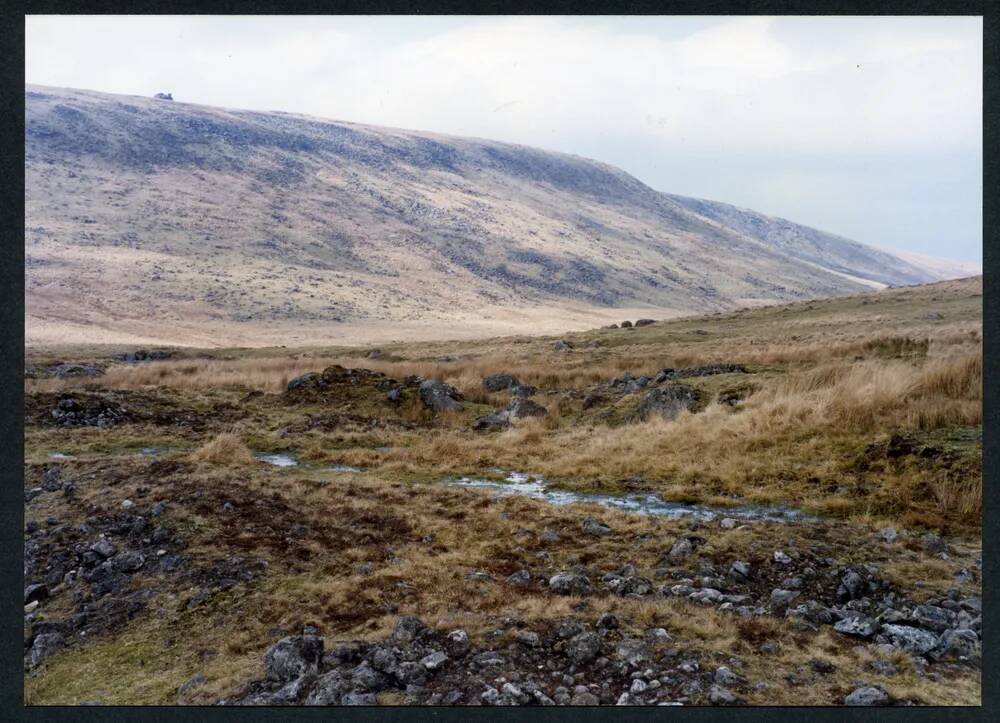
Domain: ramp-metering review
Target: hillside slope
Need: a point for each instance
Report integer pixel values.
(166, 221)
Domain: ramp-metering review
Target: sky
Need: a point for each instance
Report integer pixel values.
(867, 127)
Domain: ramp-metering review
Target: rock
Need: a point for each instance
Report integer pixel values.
(725, 676)
(562, 346)
(127, 504)
(51, 480)
(528, 638)
(684, 546)
(867, 696)
(645, 322)
(608, 621)
(457, 643)
(519, 578)
(523, 390)
(303, 380)
(103, 547)
(434, 660)
(439, 396)
(852, 586)
(568, 583)
(164, 96)
(911, 639)
(781, 558)
(409, 628)
(521, 408)
(584, 698)
(394, 395)
(666, 402)
(196, 681)
(367, 699)
(822, 666)
(727, 523)
(933, 617)
(626, 324)
(73, 371)
(493, 422)
(45, 645)
(158, 508)
(592, 526)
(961, 644)
(293, 657)
(634, 586)
(328, 689)
(717, 695)
(499, 382)
(706, 596)
(933, 544)
(888, 534)
(583, 648)
(740, 571)
(884, 667)
(35, 593)
(860, 626)
(128, 561)
(780, 598)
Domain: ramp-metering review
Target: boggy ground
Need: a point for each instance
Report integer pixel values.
(163, 560)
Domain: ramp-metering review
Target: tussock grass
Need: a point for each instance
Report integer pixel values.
(224, 449)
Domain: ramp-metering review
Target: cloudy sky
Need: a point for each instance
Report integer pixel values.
(866, 127)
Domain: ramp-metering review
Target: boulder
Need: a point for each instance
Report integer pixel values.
(521, 407)
(666, 402)
(740, 571)
(860, 626)
(569, 583)
(409, 628)
(962, 644)
(293, 657)
(500, 382)
(562, 346)
(644, 322)
(592, 526)
(45, 645)
(626, 324)
(910, 639)
(439, 396)
(933, 617)
(933, 544)
(583, 648)
(780, 599)
(867, 696)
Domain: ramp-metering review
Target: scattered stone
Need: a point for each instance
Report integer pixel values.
(859, 626)
(568, 583)
(911, 639)
(888, 534)
(933, 544)
(666, 402)
(293, 657)
(583, 648)
(781, 558)
(592, 526)
(439, 396)
(867, 696)
(435, 660)
(717, 695)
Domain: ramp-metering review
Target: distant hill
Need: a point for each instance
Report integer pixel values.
(157, 219)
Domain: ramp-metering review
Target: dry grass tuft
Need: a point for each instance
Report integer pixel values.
(224, 449)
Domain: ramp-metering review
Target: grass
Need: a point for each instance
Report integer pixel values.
(831, 385)
(224, 449)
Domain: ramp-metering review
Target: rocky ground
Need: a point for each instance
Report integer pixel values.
(168, 561)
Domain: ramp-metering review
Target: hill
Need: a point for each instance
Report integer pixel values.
(158, 221)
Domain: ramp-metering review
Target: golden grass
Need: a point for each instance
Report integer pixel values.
(223, 449)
